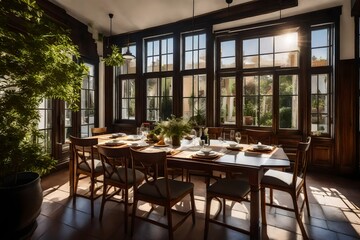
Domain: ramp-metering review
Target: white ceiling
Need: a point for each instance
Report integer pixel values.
(134, 15)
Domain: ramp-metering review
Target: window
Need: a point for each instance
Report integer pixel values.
(194, 98)
(195, 51)
(159, 55)
(45, 124)
(227, 54)
(258, 100)
(288, 102)
(272, 51)
(228, 100)
(88, 102)
(159, 101)
(321, 79)
(128, 99)
(68, 121)
(194, 81)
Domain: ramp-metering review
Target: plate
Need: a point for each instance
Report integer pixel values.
(138, 144)
(261, 149)
(161, 145)
(237, 148)
(210, 154)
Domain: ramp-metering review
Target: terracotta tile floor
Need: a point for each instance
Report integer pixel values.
(334, 206)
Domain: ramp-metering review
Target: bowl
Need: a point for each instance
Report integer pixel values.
(260, 146)
(232, 145)
(116, 141)
(206, 150)
(114, 135)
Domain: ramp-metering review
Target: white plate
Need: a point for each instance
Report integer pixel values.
(261, 147)
(114, 143)
(210, 154)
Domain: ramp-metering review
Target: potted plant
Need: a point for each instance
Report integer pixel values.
(36, 63)
(174, 128)
(249, 113)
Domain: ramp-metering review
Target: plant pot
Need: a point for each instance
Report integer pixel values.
(20, 206)
(248, 120)
(175, 140)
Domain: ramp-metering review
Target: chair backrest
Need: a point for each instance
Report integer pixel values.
(301, 161)
(98, 131)
(150, 163)
(215, 132)
(83, 150)
(255, 136)
(112, 158)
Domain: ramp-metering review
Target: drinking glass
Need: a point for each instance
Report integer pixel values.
(238, 137)
(232, 135)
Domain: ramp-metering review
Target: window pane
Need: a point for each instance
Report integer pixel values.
(319, 38)
(251, 62)
(319, 57)
(227, 48)
(266, 45)
(266, 60)
(228, 100)
(250, 47)
(288, 101)
(286, 42)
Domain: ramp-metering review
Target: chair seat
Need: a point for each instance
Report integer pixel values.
(234, 188)
(97, 165)
(139, 176)
(177, 188)
(279, 178)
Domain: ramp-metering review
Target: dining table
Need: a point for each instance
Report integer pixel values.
(225, 156)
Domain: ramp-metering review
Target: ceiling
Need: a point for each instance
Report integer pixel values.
(135, 15)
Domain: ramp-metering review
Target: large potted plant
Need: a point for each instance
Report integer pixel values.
(175, 128)
(36, 63)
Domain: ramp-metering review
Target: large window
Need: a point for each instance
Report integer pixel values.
(88, 102)
(194, 80)
(45, 124)
(194, 98)
(195, 51)
(321, 79)
(159, 55)
(124, 104)
(258, 100)
(227, 54)
(281, 51)
(159, 101)
(228, 100)
(288, 102)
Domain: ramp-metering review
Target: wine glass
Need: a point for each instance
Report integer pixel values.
(193, 135)
(238, 137)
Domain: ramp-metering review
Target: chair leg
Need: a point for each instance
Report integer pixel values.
(298, 218)
(207, 217)
(306, 199)
(92, 189)
(193, 208)
(76, 186)
(263, 206)
(126, 214)
(271, 196)
(169, 219)
(103, 201)
(133, 216)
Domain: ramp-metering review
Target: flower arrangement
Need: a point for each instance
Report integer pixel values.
(174, 127)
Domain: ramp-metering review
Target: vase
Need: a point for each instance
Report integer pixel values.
(20, 206)
(175, 141)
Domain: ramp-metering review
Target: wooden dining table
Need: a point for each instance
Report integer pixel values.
(245, 159)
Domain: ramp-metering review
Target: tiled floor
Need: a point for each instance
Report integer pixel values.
(334, 201)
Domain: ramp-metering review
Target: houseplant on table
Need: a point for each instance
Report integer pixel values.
(175, 128)
(36, 63)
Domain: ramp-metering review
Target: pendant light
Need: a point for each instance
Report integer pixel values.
(128, 55)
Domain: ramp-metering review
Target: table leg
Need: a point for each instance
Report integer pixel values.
(254, 180)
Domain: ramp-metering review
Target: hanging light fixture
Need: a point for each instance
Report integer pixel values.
(128, 55)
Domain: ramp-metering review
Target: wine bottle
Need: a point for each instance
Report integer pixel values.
(203, 136)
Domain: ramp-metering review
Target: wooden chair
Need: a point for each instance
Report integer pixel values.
(255, 136)
(86, 164)
(118, 174)
(160, 191)
(292, 183)
(215, 132)
(225, 188)
(98, 131)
